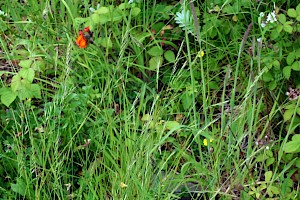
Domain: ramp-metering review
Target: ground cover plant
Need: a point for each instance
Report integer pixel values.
(149, 99)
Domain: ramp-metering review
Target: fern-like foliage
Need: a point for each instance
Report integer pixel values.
(185, 20)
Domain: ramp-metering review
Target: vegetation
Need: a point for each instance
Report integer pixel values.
(149, 99)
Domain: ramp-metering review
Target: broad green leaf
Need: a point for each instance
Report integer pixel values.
(124, 6)
(290, 58)
(80, 20)
(155, 51)
(135, 11)
(171, 124)
(298, 9)
(297, 163)
(296, 137)
(27, 73)
(213, 85)
(298, 111)
(19, 187)
(106, 42)
(271, 190)
(298, 18)
(292, 147)
(279, 28)
(24, 91)
(25, 63)
(286, 72)
(276, 64)
(267, 77)
(155, 63)
(102, 10)
(274, 33)
(282, 18)
(288, 114)
(36, 91)
(186, 100)
(292, 13)
(268, 176)
(270, 161)
(290, 106)
(170, 56)
(38, 66)
(7, 96)
(297, 52)
(296, 66)
(16, 83)
(272, 85)
(96, 19)
(288, 28)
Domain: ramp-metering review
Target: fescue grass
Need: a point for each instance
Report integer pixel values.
(104, 129)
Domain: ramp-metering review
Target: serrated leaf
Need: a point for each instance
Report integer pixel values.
(7, 96)
(170, 56)
(38, 66)
(25, 63)
(27, 73)
(155, 63)
(268, 176)
(292, 147)
(287, 72)
(155, 51)
(16, 82)
(288, 114)
(36, 91)
(19, 187)
(292, 13)
(271, 190)
(171, 124)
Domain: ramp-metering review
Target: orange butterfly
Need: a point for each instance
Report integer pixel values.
(83, 39)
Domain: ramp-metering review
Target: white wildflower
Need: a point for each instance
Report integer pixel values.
(3, 13)
(261, 14)
(263, 24)
(271, 17)
(259, 40)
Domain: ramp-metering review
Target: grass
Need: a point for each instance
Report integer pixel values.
(107, 127)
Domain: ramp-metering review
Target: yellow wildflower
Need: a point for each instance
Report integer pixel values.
(205, 141)
(123, 185)
(200, 54)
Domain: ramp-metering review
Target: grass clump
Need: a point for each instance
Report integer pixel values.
(168, 100)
